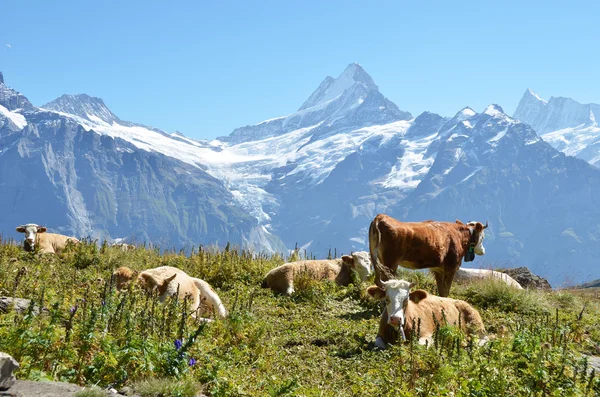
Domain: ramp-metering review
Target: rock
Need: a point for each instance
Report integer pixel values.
(28, 388)
(7, 366)
(20, 305)
(527, 279)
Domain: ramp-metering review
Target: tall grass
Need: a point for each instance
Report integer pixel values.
(318, 342)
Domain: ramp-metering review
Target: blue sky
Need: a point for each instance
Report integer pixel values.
(205, 68)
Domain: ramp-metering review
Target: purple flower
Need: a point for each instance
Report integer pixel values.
(73, 309)
(178, 344)
(192, 362)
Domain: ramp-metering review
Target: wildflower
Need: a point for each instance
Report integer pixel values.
(73, 309)
(192, 362)
(178, 344)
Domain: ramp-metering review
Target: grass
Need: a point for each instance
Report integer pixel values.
(166, 388)
(91, 392)
(318, 342)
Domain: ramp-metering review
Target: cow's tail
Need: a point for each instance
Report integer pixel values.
(374, 241)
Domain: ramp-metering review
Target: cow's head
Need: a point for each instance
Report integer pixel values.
(152, 283)
(30, 230)
(396, 294)
(477, 236)
(360, 262)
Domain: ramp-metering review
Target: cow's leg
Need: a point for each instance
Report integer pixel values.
(440, 283)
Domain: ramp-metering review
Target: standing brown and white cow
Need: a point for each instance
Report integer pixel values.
(437, 246)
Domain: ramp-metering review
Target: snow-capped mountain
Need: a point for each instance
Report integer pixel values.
(352, 100)
(88, 173)
(567, 125)
(315, 177)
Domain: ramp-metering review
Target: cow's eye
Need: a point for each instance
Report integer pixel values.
(387, 299)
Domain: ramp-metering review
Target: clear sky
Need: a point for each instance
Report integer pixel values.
(205, 68)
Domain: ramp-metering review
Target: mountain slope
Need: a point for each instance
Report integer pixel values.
(58, 171)
(567, 125)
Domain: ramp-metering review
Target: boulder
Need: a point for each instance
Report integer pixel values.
(527, 279)
(7, 366)
(20, 305)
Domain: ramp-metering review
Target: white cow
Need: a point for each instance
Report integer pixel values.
(470, 274)
(47, 243)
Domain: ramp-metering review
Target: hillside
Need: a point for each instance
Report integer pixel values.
(318, 342)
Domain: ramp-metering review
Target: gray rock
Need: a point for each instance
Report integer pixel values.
(27, 388)
(7, 366)
(19, 304)
(527, 279)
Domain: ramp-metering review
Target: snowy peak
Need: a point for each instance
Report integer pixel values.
(85, 106)
(532, 96)
(464, 114)
(13, 100)
(494, 110)
(332, 88)
(555, 114)
(350, 101)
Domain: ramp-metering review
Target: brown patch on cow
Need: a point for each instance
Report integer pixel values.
(458, 222)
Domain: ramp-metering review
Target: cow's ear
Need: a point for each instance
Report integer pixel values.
(148, 280)
(41, 229)
(376, 292)
(21, 229)
(348, 259)
(418, 295)
(169, 279)
(458, 222)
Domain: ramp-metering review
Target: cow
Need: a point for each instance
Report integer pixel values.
(409, 310)
(123, 246)
(471, 274)
(281, 279)
(169, 281)
(46, 243)
(437, 246)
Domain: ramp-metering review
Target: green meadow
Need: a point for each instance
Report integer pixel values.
(318, 342)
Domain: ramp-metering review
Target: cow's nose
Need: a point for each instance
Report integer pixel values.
(395, 321)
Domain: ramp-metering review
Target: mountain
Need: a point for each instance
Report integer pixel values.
(352, 100)
(315, 177)
(68, 167)
(542, 205)
(567, 125)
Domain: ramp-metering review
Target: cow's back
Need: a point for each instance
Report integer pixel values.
(53, 242)
(446, 311)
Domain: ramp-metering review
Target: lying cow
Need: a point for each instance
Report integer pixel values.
(403, 309)
(46, 243)
(168, 281)
(437, 246)
(470, 274)
(281, 279)
(123, 246)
